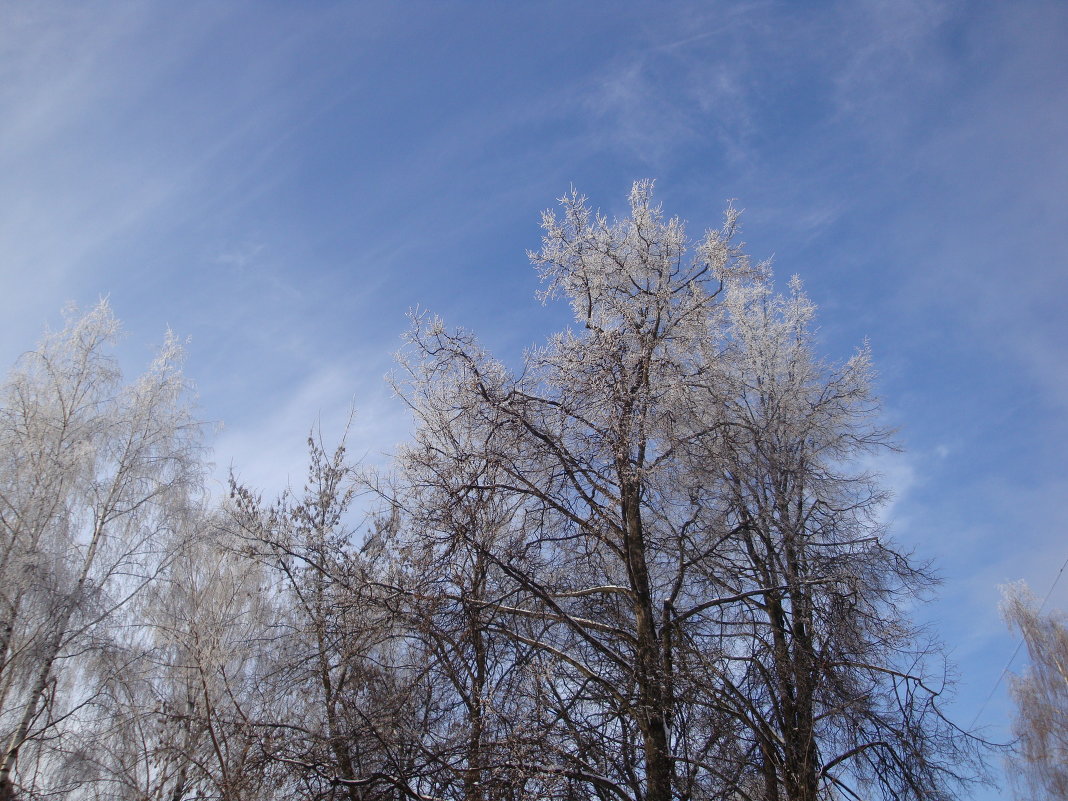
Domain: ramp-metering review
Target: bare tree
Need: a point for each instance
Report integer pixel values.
(352, 704)
(456, 602)
(1041, 696)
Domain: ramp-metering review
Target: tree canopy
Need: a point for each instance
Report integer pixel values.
(648, 565)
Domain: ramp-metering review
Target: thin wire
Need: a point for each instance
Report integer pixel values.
(1049, 592)
(1019, 645)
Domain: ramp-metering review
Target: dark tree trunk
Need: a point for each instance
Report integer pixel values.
(649, 670)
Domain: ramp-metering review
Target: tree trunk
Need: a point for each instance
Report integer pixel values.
(14, 745)
(474, 785)
(652, 712)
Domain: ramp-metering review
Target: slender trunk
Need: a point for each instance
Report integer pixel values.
(179, 784)
(223, 782)
(62, 623)
(474, 787)
(24, 544)
(7, 634)
(187, 751)
(330, 701)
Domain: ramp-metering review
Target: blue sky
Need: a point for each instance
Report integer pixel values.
(281, 182)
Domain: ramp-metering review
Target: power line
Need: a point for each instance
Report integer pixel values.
(1019, 645)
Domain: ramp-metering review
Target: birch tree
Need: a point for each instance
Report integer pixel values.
(96, 478)
(1041, 696)
(181, 708)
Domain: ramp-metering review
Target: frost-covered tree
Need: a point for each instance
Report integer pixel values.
(350, 707)
(833, 687)
(1041, 695)
(690, 550)
(445, 543)
(180, 707)
(649, 566)
(97, 479)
